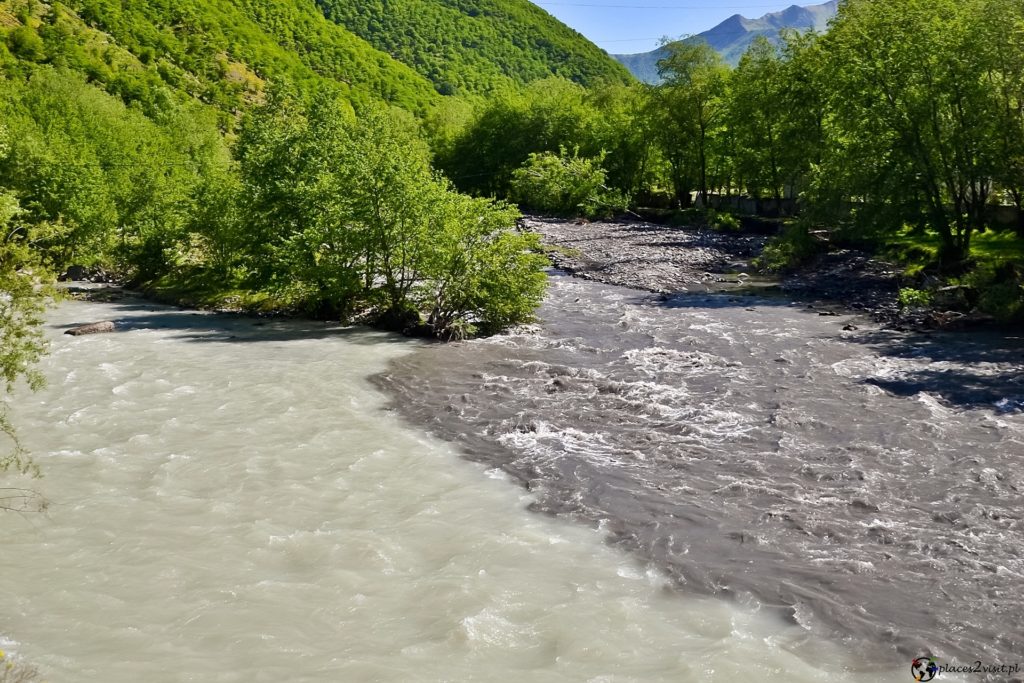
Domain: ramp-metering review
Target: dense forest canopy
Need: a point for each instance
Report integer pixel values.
(354, 159)
(219, 52)
(476, 46)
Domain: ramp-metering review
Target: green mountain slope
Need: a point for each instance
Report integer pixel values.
(219, 51)
(472, 46)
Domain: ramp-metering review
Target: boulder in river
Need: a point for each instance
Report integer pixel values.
(93, 328)
(75, 274)
(80, 273)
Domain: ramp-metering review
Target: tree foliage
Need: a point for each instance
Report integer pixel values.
(352, 215)
(477, 46)
(912, 104)
(690, 109)
(565, 184)
(22, 301)
(775, 116)
(220, 52)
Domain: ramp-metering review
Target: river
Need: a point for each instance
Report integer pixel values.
(234, 500)
(865, 483)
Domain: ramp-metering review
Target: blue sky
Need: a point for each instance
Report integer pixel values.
(627, 26)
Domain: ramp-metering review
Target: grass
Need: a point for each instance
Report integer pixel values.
(914, 249)
(1000, 247)
(552, 250)
(994, 282)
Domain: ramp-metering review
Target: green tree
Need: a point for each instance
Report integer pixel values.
(22, 302)
(915, 116)
(776, 116)
(352, 215)
(1002, 38)
(113, 185)
(480, 274)
(565, 184)
(690, 105)
(622, 132)
(756, 118)
(393, 194)
(543, 117)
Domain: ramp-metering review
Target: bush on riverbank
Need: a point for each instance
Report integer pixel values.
(566, 184)
(998, 290)
(794, 248)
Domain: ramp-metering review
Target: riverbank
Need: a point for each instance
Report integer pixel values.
(667, 259)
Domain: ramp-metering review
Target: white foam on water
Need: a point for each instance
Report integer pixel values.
(266, 520)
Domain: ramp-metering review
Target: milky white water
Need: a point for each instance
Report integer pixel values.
(230, 502)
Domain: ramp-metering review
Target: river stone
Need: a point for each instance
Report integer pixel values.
(75, 273)
(92, 328)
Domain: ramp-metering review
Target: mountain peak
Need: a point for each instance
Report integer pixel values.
(733, 37)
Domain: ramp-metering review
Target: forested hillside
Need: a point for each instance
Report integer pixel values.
(248, 153)
(219, 51)
(472, 46)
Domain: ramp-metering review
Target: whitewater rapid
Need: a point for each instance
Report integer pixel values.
(864, 483)
(230, 500)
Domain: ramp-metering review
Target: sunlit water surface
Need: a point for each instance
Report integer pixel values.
(229, 501)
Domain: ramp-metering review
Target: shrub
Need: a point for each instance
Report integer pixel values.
(25, 43)
(566, 185)
(22, 302)
(790, 250)
(999, 290)
(722, 221)
(481, 275)
(914, 298)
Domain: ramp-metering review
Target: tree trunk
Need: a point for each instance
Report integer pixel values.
(1018, 201)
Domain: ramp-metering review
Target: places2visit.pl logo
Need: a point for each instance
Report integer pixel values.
(924, 668)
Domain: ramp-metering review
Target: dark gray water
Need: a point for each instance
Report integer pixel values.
(867, 484)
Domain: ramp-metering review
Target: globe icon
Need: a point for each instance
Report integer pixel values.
(924, 668)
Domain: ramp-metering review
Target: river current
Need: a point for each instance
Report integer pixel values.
(231, 500)
(865, 484)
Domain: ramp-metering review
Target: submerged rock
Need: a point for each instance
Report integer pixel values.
(75, 273)
(93, 328)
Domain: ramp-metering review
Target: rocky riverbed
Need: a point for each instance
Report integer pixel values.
(668, 259)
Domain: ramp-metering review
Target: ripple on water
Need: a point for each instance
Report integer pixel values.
(249, 513)
(754, 448)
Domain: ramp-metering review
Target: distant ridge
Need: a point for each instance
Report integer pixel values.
(733, 36)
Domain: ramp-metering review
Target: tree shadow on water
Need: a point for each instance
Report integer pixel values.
(967, 370)
(213, 327)
(963, 369)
